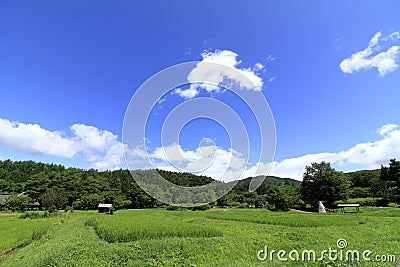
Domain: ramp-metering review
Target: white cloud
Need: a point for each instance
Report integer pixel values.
(210, 160)
(372, 57)
(258, 67)
(35, 139)
(209, 77)
(187, 93)
(229, 165)
(294, 167)
(368, 155)
(101, 148)
(387, 128)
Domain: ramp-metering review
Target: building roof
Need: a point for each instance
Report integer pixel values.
(101, 205)
(4, 197)
(23, 194)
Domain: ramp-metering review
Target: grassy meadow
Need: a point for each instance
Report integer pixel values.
(15, 231)
(216, 237)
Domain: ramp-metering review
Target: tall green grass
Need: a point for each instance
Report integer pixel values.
(291, 219)
(122, 228)
(15, 231)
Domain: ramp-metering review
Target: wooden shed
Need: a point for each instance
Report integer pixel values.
(105, 208)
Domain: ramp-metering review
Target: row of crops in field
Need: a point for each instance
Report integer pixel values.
(147, 226)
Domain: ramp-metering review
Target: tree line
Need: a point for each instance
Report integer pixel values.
(57, 187)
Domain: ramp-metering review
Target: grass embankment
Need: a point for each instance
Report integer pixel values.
(215, 237)
(15, 232)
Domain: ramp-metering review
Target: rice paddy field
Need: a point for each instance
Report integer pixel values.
(216, 237)
(15, 232)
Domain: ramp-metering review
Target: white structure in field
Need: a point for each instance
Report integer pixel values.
(321, 207)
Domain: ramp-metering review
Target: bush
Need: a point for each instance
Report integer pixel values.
(202, 207)
(69, 209)
(243, 205)
(17, 203)
(38, 234)
(31, 215)
(91, 222)
(234, 204)
(177, 208)
(38, 215)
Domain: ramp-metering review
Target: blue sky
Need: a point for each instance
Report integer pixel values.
(68, 70)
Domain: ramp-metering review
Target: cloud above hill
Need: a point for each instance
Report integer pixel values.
(100, 148)
(368, 155)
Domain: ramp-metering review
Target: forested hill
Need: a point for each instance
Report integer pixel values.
(86, 188)
(55, 185)
(243, 185)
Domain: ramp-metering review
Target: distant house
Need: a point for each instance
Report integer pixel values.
(105, 208)
(3, 198)
(22, 195)
(35, 204)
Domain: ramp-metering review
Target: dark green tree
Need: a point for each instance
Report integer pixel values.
(394, 171)
(283, 197)
(322, 183)
(54, 198)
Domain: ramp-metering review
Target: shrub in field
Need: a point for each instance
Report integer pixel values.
(16, 203)
(45, 214)
(243, 205)
(202, 207)
(37, 234)
(172, 207)
(31, 215)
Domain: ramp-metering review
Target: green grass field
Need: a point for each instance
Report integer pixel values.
(215, 237)
(15, 231)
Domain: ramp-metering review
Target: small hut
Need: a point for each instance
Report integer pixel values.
(105, 208)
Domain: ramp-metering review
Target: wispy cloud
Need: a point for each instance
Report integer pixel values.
(270, 58)
(374, 57)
